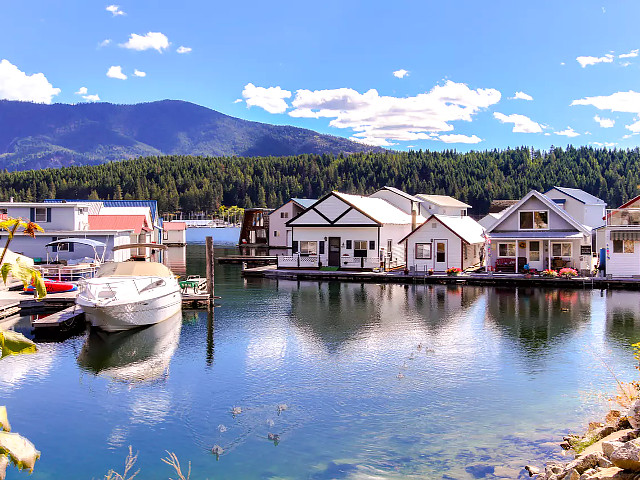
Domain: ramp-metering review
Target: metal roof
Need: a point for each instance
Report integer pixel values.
(442, 200)
(305, 202)
(152, 204)
(463, 226)
(137, 223)
(378, 209)
(175, 226)
(397, 191)
(546, 235)
(579, 195)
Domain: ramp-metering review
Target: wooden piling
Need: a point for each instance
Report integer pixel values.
(210, 263)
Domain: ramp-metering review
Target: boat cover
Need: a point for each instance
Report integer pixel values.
(83, 241)
(134, 269)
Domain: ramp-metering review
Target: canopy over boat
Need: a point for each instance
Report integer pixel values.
(155, 246)
(84, 241)
(133, 269)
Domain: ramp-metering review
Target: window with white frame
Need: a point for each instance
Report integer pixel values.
(284, 214)
(623, 246)
(534, 220)
(359, 248)
(308, 248)
(507, 249)
(423, 251)
(276, 233)
(40, 214)
(561, 249)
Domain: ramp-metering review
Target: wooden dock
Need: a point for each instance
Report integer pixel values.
(64, 319)
(253, 259)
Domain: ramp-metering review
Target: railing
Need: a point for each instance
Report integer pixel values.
(623, 217)
(66, 272)
(298, 261)
(359, 262)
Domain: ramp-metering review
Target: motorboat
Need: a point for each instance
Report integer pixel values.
(126, 295)
(132, 356)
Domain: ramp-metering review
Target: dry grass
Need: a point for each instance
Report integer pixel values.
(129, 463)
(172, 461)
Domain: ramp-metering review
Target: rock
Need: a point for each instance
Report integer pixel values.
(613, 473)
(565, 445)
(594, 426)
(609, 447)
(622, 423)
(531, 470)
(627, 456)
(633, 414)
(588, 473)
(584, 462)
(605, 463)
(613, 417)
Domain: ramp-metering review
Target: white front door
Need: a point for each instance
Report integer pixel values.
(534, 255)
(440, 253)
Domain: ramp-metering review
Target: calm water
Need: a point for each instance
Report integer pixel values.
(501, 374)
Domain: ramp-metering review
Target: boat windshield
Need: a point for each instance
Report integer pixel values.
(133, 269)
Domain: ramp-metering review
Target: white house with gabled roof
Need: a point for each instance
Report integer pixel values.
(582, 206)
(399, 199)
(349, 231)
(539, 233)
(445, 241)
(442, 205)
(279, 233)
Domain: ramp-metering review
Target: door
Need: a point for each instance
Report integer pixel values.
(334, 251)
(534, 255)
(440, 259)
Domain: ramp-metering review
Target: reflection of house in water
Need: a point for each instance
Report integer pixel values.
(623, 317)
(538, 316)
(176, 259)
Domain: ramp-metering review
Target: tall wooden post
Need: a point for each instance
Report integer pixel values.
(210, 263)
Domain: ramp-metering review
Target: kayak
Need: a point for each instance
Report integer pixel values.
(54, 286)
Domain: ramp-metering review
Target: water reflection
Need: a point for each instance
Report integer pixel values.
(176, 259)
(135, 356)
(623, 317)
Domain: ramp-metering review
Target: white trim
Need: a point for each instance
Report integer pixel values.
(533, 219)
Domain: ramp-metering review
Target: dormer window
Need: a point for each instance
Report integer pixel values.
(534, 220)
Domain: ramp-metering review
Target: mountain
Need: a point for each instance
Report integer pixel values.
(34, 136)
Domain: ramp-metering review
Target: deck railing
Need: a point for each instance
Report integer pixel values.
(67, 272)
(298, 261)
(623, 217)
(359, 262)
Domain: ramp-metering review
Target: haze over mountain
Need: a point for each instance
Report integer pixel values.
(34, 136)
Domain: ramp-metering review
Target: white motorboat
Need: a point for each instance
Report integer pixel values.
(126, 295)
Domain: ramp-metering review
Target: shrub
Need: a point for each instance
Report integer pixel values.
(549, 273)
(568, 272)
(454, 271)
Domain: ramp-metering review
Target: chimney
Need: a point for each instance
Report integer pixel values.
(11, 199)
(414, 218)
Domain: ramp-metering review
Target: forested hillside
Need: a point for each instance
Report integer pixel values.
(196, 183)
(35, 135)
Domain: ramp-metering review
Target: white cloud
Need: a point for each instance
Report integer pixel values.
(238, 100)
(115, 10)
(380, 119)
(182, 49)
(631, 54)
(17, 85)
(401, 73)
(271, 99)
(562, 63)
(152, 40)
(569, 132)
(584, 61)
(624, 137)
(105, 42)
(604, 122)
(138, 73)
(521, 123)
(625, 64)
(82, 91)
(634, 127)
(116, 72)
(605, 144)
(454, 138)
(603, 10)
(616, 102)
(521, 96)
(547, 134)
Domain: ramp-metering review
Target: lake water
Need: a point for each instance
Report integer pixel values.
(500, 376)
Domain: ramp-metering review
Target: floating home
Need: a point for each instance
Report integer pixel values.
(620, 239)
(279, 233)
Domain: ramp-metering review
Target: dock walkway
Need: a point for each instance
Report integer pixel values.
(486, 279)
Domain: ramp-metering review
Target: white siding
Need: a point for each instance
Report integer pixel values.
(511, 223)
(394, 199)
(622, 264)
(322, 234)
(355, 217)
(278, 224)
(310, 217)
(331, 207)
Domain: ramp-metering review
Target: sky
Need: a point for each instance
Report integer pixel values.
(435, 75)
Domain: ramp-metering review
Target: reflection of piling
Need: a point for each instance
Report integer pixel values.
(210, 267)
(210, 344)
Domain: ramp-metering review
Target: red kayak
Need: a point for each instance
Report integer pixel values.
(54, 286)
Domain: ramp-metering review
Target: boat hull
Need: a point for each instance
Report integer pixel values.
(126, 316)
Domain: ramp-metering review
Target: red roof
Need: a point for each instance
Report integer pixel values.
(137, 223)
(174, 225)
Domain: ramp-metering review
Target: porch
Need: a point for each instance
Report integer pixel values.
(316, 262)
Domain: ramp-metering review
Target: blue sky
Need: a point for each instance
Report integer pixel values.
(330, 65)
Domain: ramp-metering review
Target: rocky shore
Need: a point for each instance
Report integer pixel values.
(608, 451)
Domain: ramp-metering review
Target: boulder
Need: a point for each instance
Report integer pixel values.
(613, 473)
(633, 414)
(627, 456)
(572, 475)
(531, 470)
(612, 417)
(609, 447)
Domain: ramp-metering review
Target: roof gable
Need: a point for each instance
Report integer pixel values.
(443, 201)
(553, 207)
(465, 228)
(579, 195)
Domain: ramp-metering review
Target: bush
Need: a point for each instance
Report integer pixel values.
(549, 273)
(453, 271)
(568, 272)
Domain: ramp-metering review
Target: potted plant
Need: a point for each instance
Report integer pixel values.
(549, 273)
(453, 271)
(430, 271)
(568, 272)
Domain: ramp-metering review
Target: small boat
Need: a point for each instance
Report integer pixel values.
(54, 286)
(126, 295)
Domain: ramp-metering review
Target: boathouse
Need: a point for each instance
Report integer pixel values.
(349, 231)
(538, 233)
(279, 233)
(174, 234)
(445, 241)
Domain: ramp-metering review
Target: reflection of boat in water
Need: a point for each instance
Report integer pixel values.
(132, 356)
(127, 295)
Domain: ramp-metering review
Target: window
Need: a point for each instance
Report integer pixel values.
(165, 235)
(3, 211)
(534, 220)
(466, 254)
(349, 245)
(623, 246)
(308, 248)
(389, 248)
(423, 251)
(284, 214)
(561, 249)
(276, 233)
(359, 248)
(506, 249)
(372, 244)
(40, 214)
(441, 254)
(294, 246)
(534, 251)
(321, 247)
